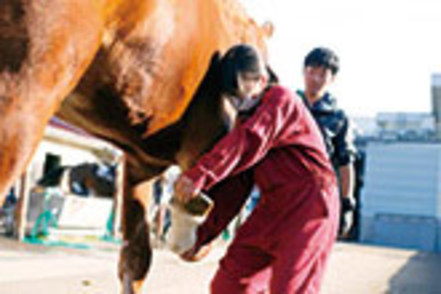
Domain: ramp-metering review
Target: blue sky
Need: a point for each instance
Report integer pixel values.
(388, 48)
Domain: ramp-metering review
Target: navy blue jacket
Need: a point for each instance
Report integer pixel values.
(335, 127)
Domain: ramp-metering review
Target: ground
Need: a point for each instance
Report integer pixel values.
(26, 269)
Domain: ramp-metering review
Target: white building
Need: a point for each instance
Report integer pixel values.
(401, 198)
(405, 125)
(70, 147)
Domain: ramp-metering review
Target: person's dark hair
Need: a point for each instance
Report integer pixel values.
(239, 59)
(322, 56)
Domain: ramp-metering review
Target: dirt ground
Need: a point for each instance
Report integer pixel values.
(352, 269)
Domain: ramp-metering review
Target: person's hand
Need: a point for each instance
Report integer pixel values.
(196, 253)
(347, 216)
(185, 189)
(346, 222)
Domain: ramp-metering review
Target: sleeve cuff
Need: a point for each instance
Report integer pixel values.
(197, 176)
(346, 159)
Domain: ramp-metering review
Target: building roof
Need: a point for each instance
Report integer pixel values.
(61, 132)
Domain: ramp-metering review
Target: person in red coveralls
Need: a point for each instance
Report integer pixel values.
(284, 244)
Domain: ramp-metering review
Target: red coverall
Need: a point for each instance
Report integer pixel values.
(284, 244)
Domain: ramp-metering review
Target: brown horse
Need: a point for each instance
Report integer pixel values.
(131, 70)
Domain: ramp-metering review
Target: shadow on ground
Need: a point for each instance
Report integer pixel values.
(420, 275)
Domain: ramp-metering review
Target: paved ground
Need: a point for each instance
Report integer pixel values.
(26, 269)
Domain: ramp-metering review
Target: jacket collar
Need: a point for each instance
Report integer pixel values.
(327, 103)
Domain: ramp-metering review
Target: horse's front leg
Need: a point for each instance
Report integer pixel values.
(136, 252)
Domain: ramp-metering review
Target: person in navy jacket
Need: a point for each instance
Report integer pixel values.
(320, 69)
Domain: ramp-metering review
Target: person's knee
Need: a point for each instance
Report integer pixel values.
(217, 283)
(222, 283)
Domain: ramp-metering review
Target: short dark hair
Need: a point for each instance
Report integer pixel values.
(322, 56)
(240, 58)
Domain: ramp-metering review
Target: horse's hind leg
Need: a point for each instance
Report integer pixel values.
(44, 49)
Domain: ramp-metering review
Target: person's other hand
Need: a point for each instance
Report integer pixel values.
(185, 189)
(196, 254)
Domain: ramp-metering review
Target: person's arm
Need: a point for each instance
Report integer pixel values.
(345, 153)
(229, 197)
(246, 144)
(347, 178)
